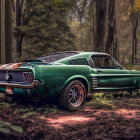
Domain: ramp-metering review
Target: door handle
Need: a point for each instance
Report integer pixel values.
(99, 71)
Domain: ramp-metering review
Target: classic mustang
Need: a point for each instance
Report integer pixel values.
(69, 76)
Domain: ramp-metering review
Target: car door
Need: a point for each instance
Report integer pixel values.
(109, 73)
(134, 78)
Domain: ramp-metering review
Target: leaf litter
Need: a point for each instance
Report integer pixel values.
(115, 119)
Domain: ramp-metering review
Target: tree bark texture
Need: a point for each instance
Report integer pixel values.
(109, 48)
(0, 31)
(105, 26)
(134, 19)
(8, 31)
(18, 47)
(19, 40)
(100, 20)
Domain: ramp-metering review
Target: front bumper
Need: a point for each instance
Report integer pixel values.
(34, 84)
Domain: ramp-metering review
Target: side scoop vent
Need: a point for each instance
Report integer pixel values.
(79, 61)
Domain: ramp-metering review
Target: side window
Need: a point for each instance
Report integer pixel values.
(103, 62)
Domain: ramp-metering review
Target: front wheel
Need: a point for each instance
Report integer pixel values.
(73, 96)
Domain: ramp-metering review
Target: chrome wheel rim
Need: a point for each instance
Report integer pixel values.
(76, 95)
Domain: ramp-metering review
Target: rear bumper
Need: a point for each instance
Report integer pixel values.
(34, 84)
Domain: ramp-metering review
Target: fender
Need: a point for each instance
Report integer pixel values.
(73, 78)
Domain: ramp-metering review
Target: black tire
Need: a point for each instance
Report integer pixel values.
(73, 96)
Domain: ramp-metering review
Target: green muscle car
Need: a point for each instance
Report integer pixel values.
(67, 76)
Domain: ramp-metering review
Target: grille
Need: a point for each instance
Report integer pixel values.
(79, 61)
(28, 76)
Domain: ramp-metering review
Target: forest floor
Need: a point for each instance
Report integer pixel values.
(100, 119)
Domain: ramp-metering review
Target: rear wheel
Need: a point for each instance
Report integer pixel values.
(73, 96)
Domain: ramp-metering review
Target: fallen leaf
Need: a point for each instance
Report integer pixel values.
(17, 128)
(4, 130)
(29, 114)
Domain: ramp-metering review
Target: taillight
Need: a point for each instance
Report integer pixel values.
(28, 76)
(17, 65)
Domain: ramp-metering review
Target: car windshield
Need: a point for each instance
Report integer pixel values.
(57, 56)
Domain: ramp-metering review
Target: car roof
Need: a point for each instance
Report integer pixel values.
(62, 57)
(94, 53)
(78, 52)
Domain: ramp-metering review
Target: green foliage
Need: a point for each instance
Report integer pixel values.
(22, 110)
(16, 128)
(129, 67)
(102, 100)
(4, 130)
(2, 96)
(45, 27)
(4, 124)
(29, 114)
(113, 100)
(137, 5)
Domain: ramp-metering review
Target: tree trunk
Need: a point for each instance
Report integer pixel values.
(0, 31)
(8, 31)
(115, 49)
(104, 26)
(100, 20)
(110, 27)
(134, 18)
(18, 48)
(19, 40)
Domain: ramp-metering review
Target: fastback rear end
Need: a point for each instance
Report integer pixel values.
(17, 81)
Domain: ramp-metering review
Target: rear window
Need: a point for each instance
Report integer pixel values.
(57, 56)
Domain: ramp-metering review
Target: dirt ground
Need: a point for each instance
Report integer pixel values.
(117, 119)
